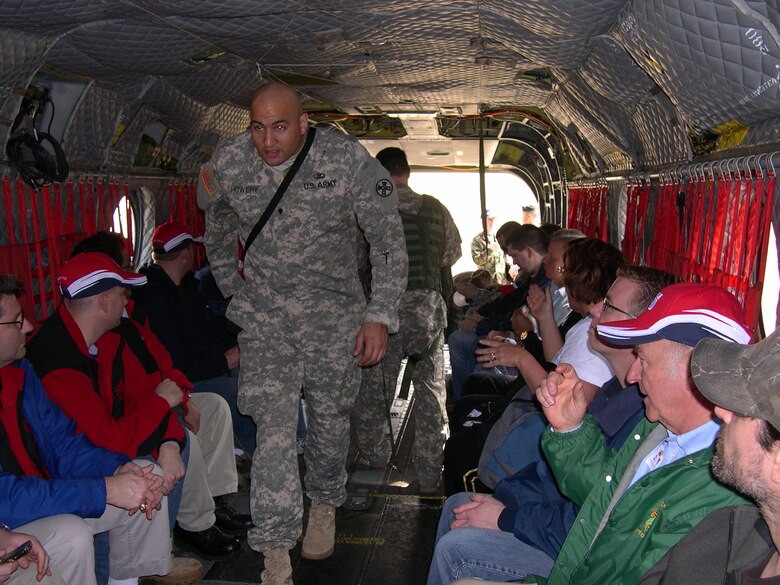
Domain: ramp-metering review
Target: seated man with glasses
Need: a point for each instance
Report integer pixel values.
(60, 488)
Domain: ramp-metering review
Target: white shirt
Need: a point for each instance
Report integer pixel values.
(591, 366)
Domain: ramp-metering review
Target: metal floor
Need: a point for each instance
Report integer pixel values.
(388, 543)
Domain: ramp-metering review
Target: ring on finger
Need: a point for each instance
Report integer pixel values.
(143, 507)
(492, 357)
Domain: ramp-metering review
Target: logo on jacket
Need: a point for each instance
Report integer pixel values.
(384, 188)
(648, 524)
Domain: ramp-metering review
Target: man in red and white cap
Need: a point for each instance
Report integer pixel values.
(202, 344)
(57, 483)
(637, 503)
(102, 371)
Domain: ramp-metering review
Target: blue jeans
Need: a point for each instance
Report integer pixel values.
(492, 555)
(226, 386)
(462, 345)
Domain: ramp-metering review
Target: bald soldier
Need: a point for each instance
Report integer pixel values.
(300, 303)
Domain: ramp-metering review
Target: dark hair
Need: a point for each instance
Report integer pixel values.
(591, 268)
(10, 285)
(650, 282)
(107, 243)
(527, 236)
(550, 228)
(394, 160)
(506, 228)
(768, 435)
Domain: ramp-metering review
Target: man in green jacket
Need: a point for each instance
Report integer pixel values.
(739, 544)
(637, 503)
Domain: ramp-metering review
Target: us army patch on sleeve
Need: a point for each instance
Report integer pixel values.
(384, 188)
(209, 184)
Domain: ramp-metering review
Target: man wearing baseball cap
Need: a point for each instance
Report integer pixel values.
(102, 371)
(737, 544)
(58, 486)
(637, 503)
(202, 344)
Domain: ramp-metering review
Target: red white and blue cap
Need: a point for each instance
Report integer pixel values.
(172, 236)
(91, 273)
(685, 313)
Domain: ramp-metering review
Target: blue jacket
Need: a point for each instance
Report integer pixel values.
(536, 511)
(76, 467)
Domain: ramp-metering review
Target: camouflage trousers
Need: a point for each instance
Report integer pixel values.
(430, 395)
(274, 368)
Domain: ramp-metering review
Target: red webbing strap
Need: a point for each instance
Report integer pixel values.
(736, 244)
(52, 238)
(39, 254)
(101, 205)
(571, 195)
(710, 202)
(181, 203)
(693, 251)
(655, 251)
(9, 210)
(718, 230)
(57, 212)
(644, 202)
(90, 228)
(83, 202)
(753, 237)
(193, 215)
(70, 212)
(26, 277)
(753, 295)
(673, 260)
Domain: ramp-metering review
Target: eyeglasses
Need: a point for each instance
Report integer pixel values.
(609, 306)
(19, 323)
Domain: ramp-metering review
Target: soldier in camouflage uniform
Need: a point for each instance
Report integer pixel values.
(433, 244)
(489, 255)
(301, 306)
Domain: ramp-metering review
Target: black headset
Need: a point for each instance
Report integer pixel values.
(38, 157)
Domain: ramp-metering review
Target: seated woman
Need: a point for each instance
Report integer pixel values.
(542, 339)
(590, 267)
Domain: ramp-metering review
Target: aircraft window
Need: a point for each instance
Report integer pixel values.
(123, 220)
(506, 195)
(771, 292)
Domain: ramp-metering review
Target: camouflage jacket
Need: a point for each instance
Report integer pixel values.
(304, 262)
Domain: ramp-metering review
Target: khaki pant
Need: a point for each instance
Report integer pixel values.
(211, 470)
(138, 546)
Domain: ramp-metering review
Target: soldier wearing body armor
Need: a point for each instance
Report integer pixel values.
(433, 245)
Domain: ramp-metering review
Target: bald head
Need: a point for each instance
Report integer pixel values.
(275, 91)
(278, 123)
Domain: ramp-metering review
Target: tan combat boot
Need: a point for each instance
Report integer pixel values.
(320, 532)
(278, 570)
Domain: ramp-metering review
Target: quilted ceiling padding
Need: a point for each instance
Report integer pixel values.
(718, 60)
(626, 82)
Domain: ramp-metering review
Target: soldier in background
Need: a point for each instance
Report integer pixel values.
(301, 306)
(487, 253)
(433, 244)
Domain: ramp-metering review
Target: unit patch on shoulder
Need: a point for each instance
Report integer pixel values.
(207, 179)
(384, 188)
